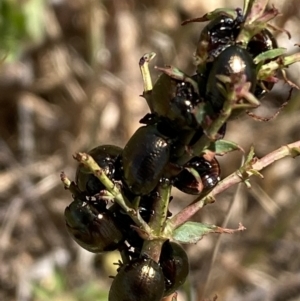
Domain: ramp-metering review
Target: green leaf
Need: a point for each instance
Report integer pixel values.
(222, 147)
(269, 55)
(250, 156)
(192, 232)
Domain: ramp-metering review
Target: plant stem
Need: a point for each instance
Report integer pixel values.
(252, 168)
(247, 5)
(144, 67)
(161, 205)
(112, 188)
(157, 222)
(212, 131)
(267, 69)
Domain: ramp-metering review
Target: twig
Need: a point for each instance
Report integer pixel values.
(248, 170)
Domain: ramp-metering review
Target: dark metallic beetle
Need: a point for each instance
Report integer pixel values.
(218, 34)
(175, 100)
(175, 266)
(141, 279)
(209, 176)
(144, 158)
(261, 42)
(182, 106)
(222, 32)
(92, 226)
(107, 158)
(124, 223)
(234, 60)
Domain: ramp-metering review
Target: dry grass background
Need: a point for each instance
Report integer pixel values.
(77, 87)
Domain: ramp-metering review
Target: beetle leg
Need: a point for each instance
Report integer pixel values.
(144, 66)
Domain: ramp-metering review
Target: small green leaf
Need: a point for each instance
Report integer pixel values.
(295, 151)
(222, 147)
(247, 183)
(250, 156)
(192, 232)
(269, 55)
(253, 172)
(291, 59)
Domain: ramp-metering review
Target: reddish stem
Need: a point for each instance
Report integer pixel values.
(257, 165)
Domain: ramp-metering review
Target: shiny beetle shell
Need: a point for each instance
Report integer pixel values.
(175, 100)
(140, 280)
(233, 60)
(209, 172)
(107, 158)
(261, 42)
(144, 158)
(215, 36)
(163, 91)
(124, 223)
(218, 34)
(175, 266)
(92, 226)
(182, 106)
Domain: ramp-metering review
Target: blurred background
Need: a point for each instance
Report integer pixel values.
(70, 81)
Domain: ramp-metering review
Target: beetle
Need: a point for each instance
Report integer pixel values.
(234, 60)
(259, 43)
(144, 158)
(182, 105)
(222, 32)
(124, 223)
(175, 266)
(107, 157)
(175, 99)
(92, 226)
(219, 33)
(207, 176)
(140, 279)
(216, 35)
(178, 137)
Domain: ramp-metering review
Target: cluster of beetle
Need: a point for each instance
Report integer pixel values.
(151, 156)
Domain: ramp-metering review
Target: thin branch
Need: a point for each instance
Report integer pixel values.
(242, 175)
(112, 188)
